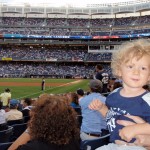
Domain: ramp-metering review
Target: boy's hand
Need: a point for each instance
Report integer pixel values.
(99, 106)
(96, 105)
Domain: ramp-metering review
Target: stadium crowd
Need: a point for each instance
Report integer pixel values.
(74, 21)
(53, 54)
(27, 69)
(87, 27)
(50, 61)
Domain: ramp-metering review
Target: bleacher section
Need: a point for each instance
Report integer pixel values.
(57, 56)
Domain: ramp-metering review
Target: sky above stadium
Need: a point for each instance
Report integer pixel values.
(63, 2)
(68, 1)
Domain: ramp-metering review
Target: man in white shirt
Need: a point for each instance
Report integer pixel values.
(2, 114)
(14, 114)
(3, 124)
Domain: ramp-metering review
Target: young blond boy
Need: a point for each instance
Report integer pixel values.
(131, 63)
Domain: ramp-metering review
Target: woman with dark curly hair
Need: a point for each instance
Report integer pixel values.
(53, 125)
(73, 98)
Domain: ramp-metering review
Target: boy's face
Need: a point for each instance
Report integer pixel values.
(135, 73)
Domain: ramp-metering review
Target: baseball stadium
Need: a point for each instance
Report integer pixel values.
(61, 43)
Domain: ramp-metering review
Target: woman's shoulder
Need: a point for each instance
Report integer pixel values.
(74, 145)
(39, 145)
(35, 144)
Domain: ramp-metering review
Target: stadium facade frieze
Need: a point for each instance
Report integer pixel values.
(68, 11)
(20, 36)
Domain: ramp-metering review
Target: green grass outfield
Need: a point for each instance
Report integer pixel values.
(20, 92)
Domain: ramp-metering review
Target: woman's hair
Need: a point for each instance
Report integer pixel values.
(74, 98)
(53, 121)
(128, 51)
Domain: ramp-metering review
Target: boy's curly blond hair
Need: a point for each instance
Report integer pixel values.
(128, 51)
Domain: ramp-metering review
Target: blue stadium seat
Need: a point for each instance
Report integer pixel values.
(3, 126)
(12, 122)
(79, 118)
(78, 110)
(6, 134)
(18, 129)
(93, 144)
(26, 119)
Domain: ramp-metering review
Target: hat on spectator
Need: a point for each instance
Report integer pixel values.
(14, 102)
(80, 92)
(95, 84)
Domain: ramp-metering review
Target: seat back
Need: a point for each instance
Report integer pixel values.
(93, 144)
(78, 110)
(26, 119)
(5, 146)
(79, 118)
(18, 129)
(3, 126)
(12, 122)
(5, 135)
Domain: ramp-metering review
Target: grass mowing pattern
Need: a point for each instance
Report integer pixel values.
(71, 88)
(20, 92)
(32, 80)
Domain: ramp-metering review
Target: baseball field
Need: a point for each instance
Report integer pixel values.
(31, 87)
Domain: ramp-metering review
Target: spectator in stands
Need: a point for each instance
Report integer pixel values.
(3, 124)
(7, 109)
(116, 85)
(14, 114)
(26, 106)
(5, 97)
(53, 125)
(92, 122)
(102, 76)
(73, 98)
(80, 94)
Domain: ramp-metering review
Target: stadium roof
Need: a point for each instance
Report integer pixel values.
(72, 3)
